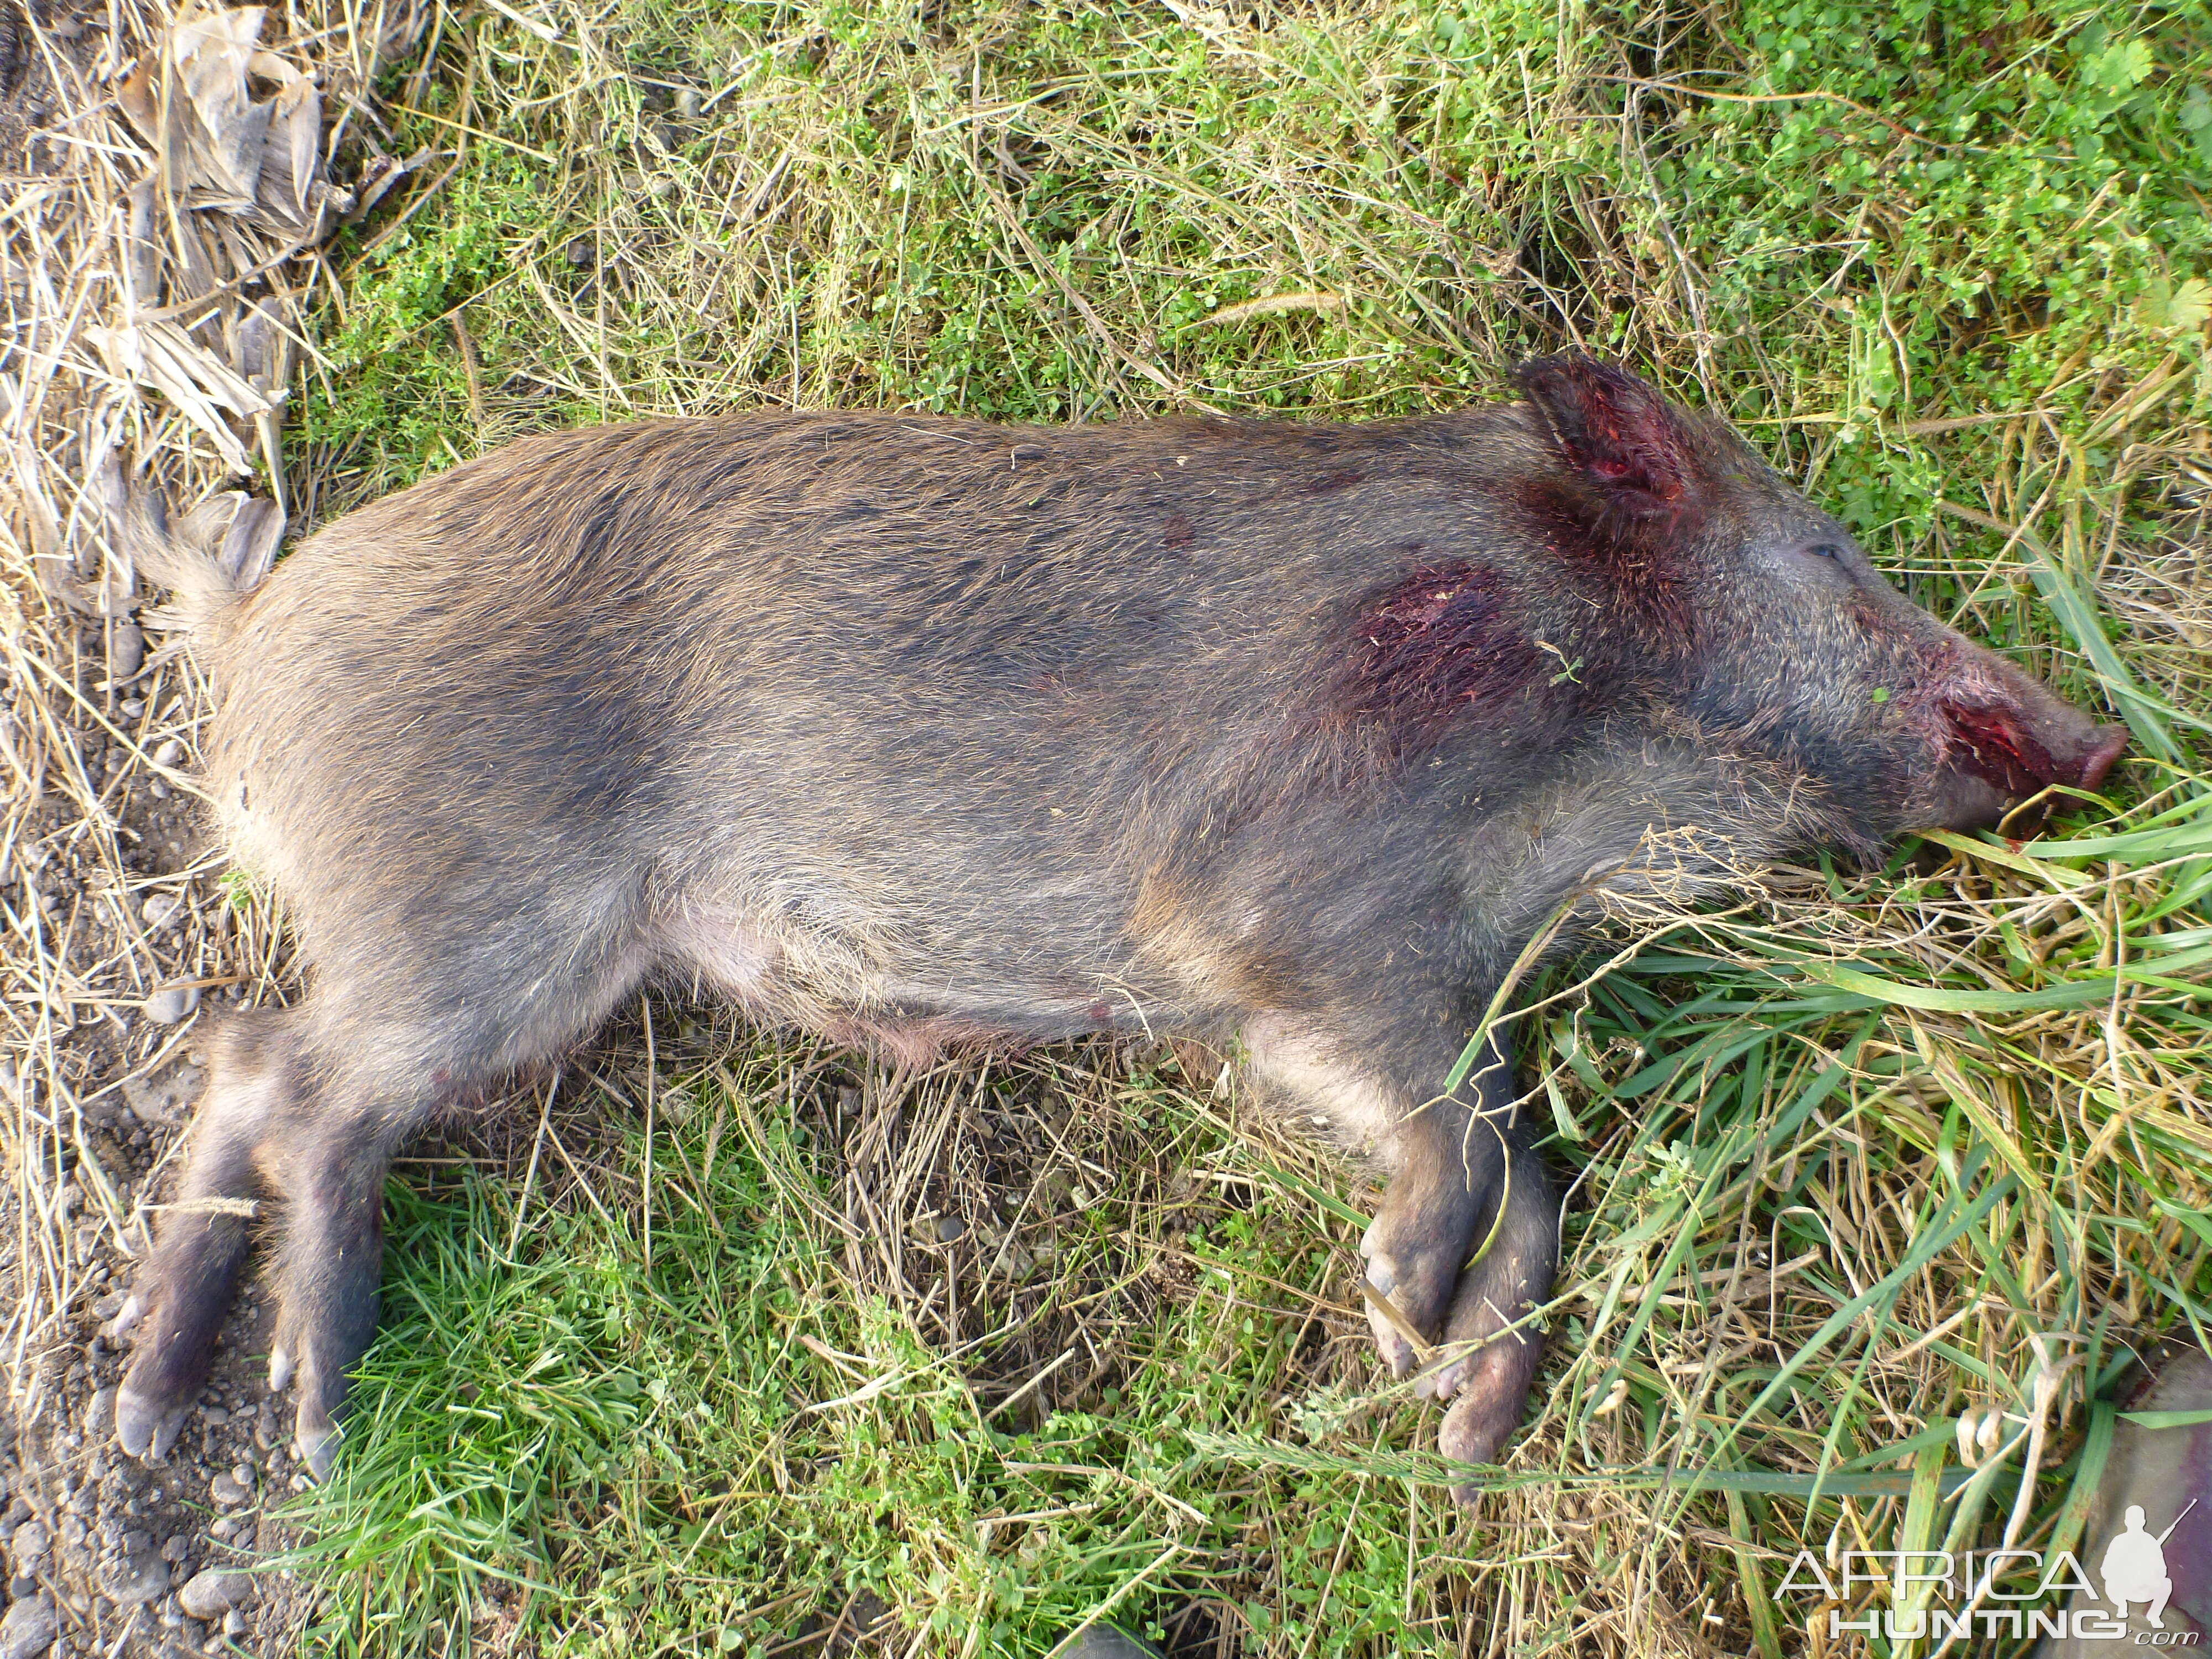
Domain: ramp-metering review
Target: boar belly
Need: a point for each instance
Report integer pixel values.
(831, 987)
(730, 952)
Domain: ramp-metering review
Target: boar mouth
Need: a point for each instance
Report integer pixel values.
(1991, 743)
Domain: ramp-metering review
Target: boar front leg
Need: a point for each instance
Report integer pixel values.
(1465, 1241)
(1484, 1369)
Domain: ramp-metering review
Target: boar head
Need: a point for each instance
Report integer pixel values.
(1783, 633)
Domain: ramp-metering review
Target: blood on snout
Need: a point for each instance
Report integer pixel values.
(1990, 743)
(1982, 718)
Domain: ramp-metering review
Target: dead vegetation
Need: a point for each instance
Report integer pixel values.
(1867, 1154)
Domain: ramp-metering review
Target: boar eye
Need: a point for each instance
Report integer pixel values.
(1826, 551)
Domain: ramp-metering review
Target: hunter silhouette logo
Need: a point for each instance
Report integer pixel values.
(2134, 1567)
(1938, 1595)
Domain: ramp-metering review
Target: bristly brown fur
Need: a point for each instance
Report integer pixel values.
(917, 732)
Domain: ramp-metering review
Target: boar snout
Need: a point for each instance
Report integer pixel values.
(2002, 738)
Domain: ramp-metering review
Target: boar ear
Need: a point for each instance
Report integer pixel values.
(1633, 448)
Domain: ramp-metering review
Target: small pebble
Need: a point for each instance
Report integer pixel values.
(214, 1416)
(162, 910)
(214, 1592)
(227, 1490)
(170, 753)
(243, 1474)
(29, 1629)
(580, 253)
(950, 1227)
(689, 103)
(173, 1004)
(141, 1576)
(126, 650)
(30, 1545)
(233, 1623)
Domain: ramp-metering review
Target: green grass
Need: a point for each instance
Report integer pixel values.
(693, 1454)
(1947, 263)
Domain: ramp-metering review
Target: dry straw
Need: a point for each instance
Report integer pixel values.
(159, 261)
(1995, 1075)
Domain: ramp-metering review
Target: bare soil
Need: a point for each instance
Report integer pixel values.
(98, 1546)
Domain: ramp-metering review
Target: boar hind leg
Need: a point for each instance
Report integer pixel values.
(182, 1293)
(307, 1113)
(330, 1176)
(325, 1163)
(269, 1142)
(464, 1025)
